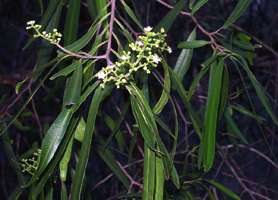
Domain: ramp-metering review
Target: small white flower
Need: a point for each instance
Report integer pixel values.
(100, 75)
(148, 29)
(110, 66)
(125, 57)
(169, 50)
(32, 22)
(140, 43)
(156, 59)
(55, 30)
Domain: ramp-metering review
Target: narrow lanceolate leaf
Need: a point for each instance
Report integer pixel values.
(159, 179)
(233, 126)
(240, 8)
(97, 8)
(185, 57)
(132, 15)
(224, 189)
(39, 186)
(63, 166)
(65, 71)
(166, 90)
(259, 91)
(149, 174)
(73, 87)
(107, 156)
(224, 93)
(207, 148)
(72, 19)
(86, 145)
(86, 38)
(193, 44)
(143, 115)
(52, 139)
(177, 84)
(169, 19)
(198, 5)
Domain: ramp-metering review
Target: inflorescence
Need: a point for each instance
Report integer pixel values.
(53, 37)
(145, 53)
(30, 165)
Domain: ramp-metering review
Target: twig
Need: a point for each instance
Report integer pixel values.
(253, 150)
(111, 23)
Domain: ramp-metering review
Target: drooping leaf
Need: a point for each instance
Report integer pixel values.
(169, 19)
(86, 145)
(193, 44)
(149, 174)
(240, 8)
(224, 189)
(159, 180)
(185, 57)
(207, 148)
(73, 87)
(196, 6)
(110, 160)
(259, 90)
(71, 24)
(53, 139)
(63, 165)
(163, 100)
(233, 126)
(132, 15)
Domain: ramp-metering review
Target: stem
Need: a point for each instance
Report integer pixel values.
(111, 23)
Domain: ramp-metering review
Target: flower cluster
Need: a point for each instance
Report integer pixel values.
(30, 165)
(145, 53)
(53, 37)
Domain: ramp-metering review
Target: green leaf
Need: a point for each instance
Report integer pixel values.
(169, 19)
(63, 166)
(86, 38)
(83, 155)
(73, 87)
(149, 174)
(240, 8)
(233, 126)
(224, 93)
(64, 193)
(80, 130)
(53, 139)
(198, 5)
(132, 15)
(143, 115)
(39, 186)
(159, 180)
(110, 160)
(164, 98)
(259, 90)
(71, 24)
(224, 189)
(65, 71)
(19, 85)
(178, 86)
(193, 44)
(97, 8)
(33, 93)
(185, 57)
(248, 113)
(207, 148)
